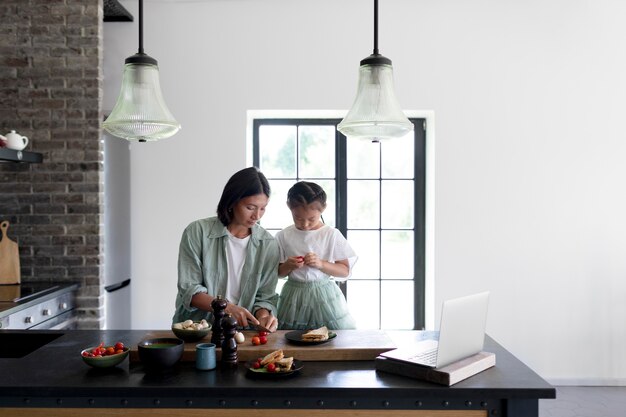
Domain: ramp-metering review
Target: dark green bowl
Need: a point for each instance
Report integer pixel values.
(160, 353)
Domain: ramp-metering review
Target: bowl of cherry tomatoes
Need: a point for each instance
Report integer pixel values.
(102, 356)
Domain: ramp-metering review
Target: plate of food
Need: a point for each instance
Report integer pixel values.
(273, 365)
(310, 337)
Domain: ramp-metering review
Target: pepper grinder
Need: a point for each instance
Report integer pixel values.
(229, 345)
(218, 305)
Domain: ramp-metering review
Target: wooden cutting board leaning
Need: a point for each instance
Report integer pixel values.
(9, 258)
(349, 345)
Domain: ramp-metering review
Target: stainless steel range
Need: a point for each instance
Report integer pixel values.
(38, 305)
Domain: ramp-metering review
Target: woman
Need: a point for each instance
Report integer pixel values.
(232, 256)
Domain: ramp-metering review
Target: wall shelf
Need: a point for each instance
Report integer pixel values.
(115, 12)
(11, 155)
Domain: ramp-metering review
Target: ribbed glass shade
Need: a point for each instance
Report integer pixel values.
(140, 112)
(375, 113)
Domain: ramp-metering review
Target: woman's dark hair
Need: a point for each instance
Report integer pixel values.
(244, 183)
(304, 192)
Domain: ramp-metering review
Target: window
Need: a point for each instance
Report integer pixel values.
(376, 198)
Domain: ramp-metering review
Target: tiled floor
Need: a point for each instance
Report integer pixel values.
(585, 402)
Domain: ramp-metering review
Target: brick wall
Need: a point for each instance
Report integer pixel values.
(51, 91)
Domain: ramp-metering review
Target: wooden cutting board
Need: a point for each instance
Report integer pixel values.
(9, 258)
(349, 345)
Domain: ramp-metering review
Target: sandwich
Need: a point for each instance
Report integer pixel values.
(316, 335)
(272, 357)
(284, 364)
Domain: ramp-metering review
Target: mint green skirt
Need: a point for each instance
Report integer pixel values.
(310, 305)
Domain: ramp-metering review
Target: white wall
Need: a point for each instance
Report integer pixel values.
(529, 98)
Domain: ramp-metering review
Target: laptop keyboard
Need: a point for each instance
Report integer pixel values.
(428, 357)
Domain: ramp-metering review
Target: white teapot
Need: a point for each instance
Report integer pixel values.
(16, 141)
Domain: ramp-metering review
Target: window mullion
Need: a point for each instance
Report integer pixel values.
(341, 184)
(419, 224)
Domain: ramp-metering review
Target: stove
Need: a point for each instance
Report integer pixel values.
(38, 305)
(16, 293)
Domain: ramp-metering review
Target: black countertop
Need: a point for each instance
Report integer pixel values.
(56, 376)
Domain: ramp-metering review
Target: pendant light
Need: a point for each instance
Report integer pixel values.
(140, 112)
(375, 113)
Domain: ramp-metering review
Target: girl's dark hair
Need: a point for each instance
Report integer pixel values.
(244, 183)
(304, 192)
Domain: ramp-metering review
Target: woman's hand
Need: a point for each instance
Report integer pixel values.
(267, 320)
(243, 316)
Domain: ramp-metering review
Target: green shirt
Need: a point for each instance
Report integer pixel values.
(202, 267)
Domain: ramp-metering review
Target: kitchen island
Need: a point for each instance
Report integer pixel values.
(53, 381)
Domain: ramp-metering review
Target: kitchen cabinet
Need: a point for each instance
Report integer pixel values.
(11, 155)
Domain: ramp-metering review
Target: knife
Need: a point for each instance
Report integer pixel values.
(259, 327)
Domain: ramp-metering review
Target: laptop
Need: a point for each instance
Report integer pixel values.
(461, 334)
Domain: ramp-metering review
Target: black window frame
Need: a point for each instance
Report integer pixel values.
(341, 180)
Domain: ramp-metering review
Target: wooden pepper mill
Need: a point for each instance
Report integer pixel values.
(229, 345)
(218, 305)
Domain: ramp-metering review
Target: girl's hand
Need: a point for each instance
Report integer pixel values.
(242, 315)
(291, 264)
(295, 262)
(311, 259)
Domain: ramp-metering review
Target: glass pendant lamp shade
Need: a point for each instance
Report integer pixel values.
(375, 113)
(140, 112)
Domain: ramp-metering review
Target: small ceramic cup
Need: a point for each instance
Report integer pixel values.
(205, 356)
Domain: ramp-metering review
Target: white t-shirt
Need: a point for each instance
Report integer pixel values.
(235, 258)
(327, 242)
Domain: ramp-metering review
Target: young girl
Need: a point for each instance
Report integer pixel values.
(310, 253)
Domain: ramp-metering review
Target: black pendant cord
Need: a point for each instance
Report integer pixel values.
(376, 58)
(140, 27)
(375, 27)
(140, 57)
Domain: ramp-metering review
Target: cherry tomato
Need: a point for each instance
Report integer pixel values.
(119, 345)
(256, 341)
(256, 365)
(119, 351)
(271, 367)
(110, 350)
(85, 353)
(262, 333)
(263, 340)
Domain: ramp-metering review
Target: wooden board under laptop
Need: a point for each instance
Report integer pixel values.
(447, 375)
(348, 345)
